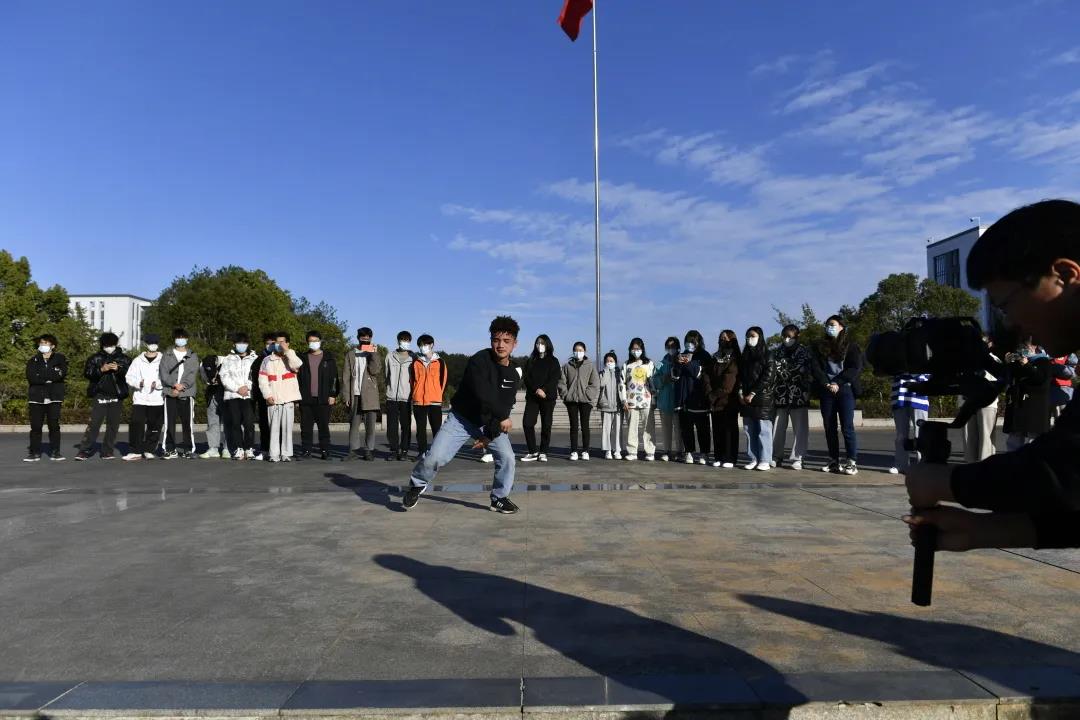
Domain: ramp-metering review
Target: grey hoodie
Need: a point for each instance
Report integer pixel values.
(173, 372)
(398, 375)
(580, 382)
(612, 390)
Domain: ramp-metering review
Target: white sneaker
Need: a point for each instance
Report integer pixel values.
(530, 457)
(585, 456)
(149, 456)
(253, 455)
(729, 466)
(650, 458)
(689, 459)
(894, 471)
(764, 467)
(796, 465)
(716, 463)
(703, 460)
(630, 457)
(573, 457)
(752, 466)
(239, 455)
(542, 457)
(132, 456)
(211, 453)
(488, 458)
(608, 455)
(665, 458)
(772, 463)
(170, 455)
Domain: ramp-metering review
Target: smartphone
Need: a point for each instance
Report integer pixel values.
(367, 348)
(685, 356)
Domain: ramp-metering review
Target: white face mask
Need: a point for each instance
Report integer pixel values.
(152, 347)
(181, 342)
(426, 349)
(241, 348)
(832, 330)
(541, 348)
(752, 341)
(691, 347)
(315, 345)
(404, 345)
(110, 350)
(579, 354)
(635, 353)
(44, 349)
(610, 365)
(789, 341)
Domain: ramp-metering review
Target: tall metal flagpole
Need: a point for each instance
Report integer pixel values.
(596, 179)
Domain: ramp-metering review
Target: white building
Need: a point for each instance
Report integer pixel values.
(120, 314)
(946, 264)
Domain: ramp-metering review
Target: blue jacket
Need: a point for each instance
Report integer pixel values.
(689, 387)
(664, 385)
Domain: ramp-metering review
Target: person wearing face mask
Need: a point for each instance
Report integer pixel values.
(261, 408)
(105, 370)
(363, 368)
(611, 402)
(318, 394)
(690, 398)
(430, 375)
(791, 393)
(670, 437)
(837, 366)
(399, 397)
(722, 388)
(179, 368)
(147, 402)
(237, 370)
(46, 372)
(216, 436)
(278, 384)
(756, 391)
(579, 387)
(1027, 399)
(640, 423)
(541, 380)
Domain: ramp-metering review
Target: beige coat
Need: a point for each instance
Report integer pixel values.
(277, 377)
(370, 373)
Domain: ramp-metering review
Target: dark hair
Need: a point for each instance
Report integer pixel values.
(583, 346)
(611, 354)
(364, 331)
(425, 340)
(240, 337)
(636, 341)
(504, 324)
(734, 342)
(837, 347)
(1022, 245)
(793, 328)
(314, 334)
(49, 339)
(108, 339)
(541, 338)
(695, 337)
(282, 334)
(269, 335)
(179, 333)
(672, 341)
(404, 335)
(761, 350)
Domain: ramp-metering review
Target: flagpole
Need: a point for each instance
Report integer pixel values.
(596, 179)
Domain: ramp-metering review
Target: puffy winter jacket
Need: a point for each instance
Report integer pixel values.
(612, 390)
(689, 389)
(721, 381)
(236, 371)
(144, 379)
(755, 378)
(46, 377)
(277, 378)
(792, 376)
(107, 385)
(580, 383)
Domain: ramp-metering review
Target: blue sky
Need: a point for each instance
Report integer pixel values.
(425, 165)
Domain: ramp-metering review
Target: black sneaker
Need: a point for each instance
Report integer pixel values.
(392, 455)
(369, 456)
(403, 455)
(83, 455)
(352, 457)
(832, 467)
(56, 455)
(325, 454)
(412, 496)
(32, 457)
(503, 505)
(110, 456)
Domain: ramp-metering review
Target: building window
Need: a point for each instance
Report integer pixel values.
(947, 269)
(92, 317)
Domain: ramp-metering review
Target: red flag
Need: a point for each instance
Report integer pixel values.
(573, 13)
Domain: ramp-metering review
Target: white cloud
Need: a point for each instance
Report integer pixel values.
(724, 164)
(1053, 142)
(814, 63)
(815, 93)
(1069, 57)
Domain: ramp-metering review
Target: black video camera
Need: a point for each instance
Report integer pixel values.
(952, 352)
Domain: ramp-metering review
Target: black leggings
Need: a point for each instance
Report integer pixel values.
(545, 410)
(579, 417)
(426, 415)
(688, 423)
(725, 432)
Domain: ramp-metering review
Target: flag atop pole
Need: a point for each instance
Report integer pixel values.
(572, 15)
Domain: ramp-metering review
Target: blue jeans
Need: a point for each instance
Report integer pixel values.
(758, 439)
(840, 406)
(454, 433)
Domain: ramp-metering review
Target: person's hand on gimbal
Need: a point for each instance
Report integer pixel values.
(960, 530)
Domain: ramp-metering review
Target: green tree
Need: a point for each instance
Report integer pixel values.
(27, 311)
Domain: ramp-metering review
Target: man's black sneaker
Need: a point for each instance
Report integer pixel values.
(412, 495)
(503, 505)
(325, 454)
(403, 455)
(32, 457)
(832, 467)
(56, 455)
(83, 455)
(368, 455)
(110, 456)
(391, 456)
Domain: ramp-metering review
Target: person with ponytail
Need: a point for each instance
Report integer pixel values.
(837, 365)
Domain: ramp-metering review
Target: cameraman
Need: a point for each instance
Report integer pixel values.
(1029, 264)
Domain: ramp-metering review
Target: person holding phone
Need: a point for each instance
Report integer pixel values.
(105, 370)
(360, 386)
(690, 397)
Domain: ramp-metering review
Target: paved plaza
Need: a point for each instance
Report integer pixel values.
(660, 586)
